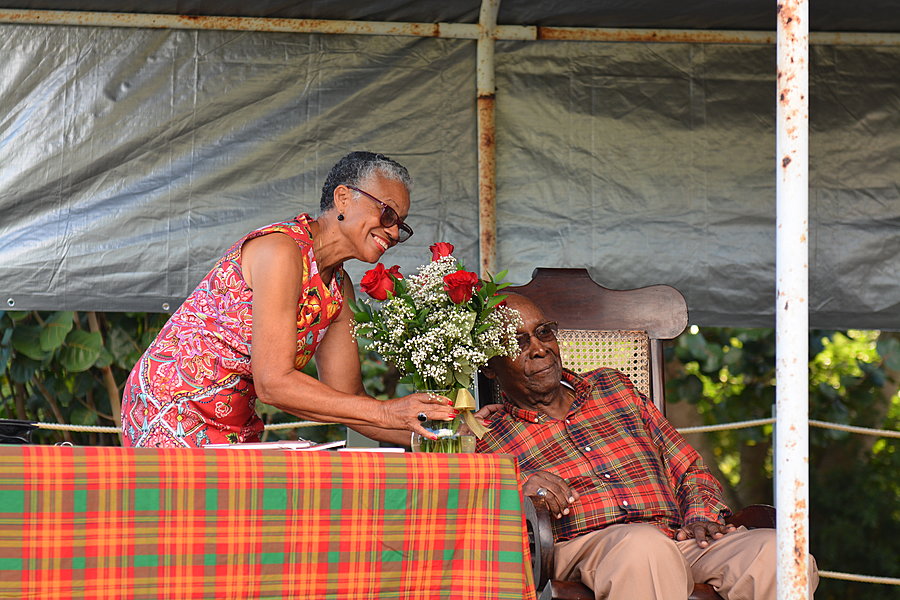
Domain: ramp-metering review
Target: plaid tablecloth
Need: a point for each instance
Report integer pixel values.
(180, 524)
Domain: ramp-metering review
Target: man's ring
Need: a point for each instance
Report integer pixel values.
(422, 417)
(541, 492)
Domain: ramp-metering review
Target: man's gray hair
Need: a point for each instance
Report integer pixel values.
(357, 167)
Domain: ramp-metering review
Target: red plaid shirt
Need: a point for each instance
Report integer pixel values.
(615, 448)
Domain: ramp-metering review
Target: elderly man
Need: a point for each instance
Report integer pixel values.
(638, 515)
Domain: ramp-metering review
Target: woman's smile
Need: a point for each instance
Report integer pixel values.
(381, 242)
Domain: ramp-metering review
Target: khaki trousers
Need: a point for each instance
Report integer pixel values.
(636, 561)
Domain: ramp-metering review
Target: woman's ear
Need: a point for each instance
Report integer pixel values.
(488, 372)
(342, 197)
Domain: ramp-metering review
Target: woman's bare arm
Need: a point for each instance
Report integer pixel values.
(273, 267)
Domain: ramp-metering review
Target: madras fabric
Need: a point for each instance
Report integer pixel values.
(193, 385)
(180, 524)
(618, 451)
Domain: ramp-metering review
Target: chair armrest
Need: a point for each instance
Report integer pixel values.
(540, 539)
(754, 516)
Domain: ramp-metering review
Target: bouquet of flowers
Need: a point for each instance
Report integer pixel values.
(437, 327)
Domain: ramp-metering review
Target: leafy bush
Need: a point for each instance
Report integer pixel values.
(729, 374)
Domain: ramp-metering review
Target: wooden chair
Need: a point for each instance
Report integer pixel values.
(625, 330)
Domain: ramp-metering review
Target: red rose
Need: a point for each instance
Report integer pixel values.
(440, 250)
(395, 272)
(461, 285)
(378, 282)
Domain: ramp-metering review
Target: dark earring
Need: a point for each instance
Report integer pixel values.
(341, 217)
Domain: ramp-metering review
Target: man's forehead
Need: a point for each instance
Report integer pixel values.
(527, 309)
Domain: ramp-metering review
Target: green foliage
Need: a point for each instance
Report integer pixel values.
(729, 374)
(58, 367)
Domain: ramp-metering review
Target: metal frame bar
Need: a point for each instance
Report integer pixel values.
(791, 302)
(487, 131)
(471, 31)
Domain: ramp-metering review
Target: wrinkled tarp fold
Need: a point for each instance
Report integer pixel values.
(130, 159)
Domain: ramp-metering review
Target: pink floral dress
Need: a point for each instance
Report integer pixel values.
(193, 385)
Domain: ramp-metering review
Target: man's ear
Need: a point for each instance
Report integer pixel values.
(488, 372)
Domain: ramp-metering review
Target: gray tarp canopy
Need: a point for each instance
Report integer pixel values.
(130, 158)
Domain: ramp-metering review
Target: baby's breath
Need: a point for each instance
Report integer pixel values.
(430, 339)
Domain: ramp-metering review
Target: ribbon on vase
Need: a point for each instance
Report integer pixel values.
(465, 403)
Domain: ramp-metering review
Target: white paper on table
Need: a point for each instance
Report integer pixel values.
(299, 445)
(371, 450)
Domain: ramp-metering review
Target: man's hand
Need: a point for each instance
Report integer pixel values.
(705, 532)
(484, 413)
(483, 416)
(553, 489)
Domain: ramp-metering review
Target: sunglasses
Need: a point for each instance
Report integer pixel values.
(545, 332)
(389, 217)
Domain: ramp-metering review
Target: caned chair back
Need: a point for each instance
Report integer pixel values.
(583, 350)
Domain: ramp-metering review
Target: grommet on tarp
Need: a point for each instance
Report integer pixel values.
(10, 302)
(15, 431)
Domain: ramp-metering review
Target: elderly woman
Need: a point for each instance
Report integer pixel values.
(272, 301)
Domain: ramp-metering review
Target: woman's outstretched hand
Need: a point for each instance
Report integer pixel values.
(406, 412)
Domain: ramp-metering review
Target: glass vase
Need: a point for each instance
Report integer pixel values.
(448, 439)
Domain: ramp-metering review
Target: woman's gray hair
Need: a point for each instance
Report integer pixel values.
(357, 167)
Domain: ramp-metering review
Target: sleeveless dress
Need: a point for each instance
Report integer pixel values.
(193, 385)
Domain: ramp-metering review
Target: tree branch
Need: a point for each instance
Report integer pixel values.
(60, 418)
(109, 381)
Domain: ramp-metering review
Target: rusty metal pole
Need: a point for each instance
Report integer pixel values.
(441, 30)
(487, 161)
(792, 300)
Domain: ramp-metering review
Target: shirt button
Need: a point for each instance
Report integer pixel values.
(624, 502)
(587, 448)
(568, 422)
(607, 475)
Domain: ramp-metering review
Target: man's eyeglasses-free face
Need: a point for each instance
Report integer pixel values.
(389, 217)
(546, 332)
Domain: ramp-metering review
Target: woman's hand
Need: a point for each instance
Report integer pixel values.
(403, 413)
(553, 489)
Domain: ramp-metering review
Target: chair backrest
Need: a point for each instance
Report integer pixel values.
(584, 350)
(600, 327)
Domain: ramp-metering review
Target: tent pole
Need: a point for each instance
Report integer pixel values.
(792, 300)
(487, 164)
